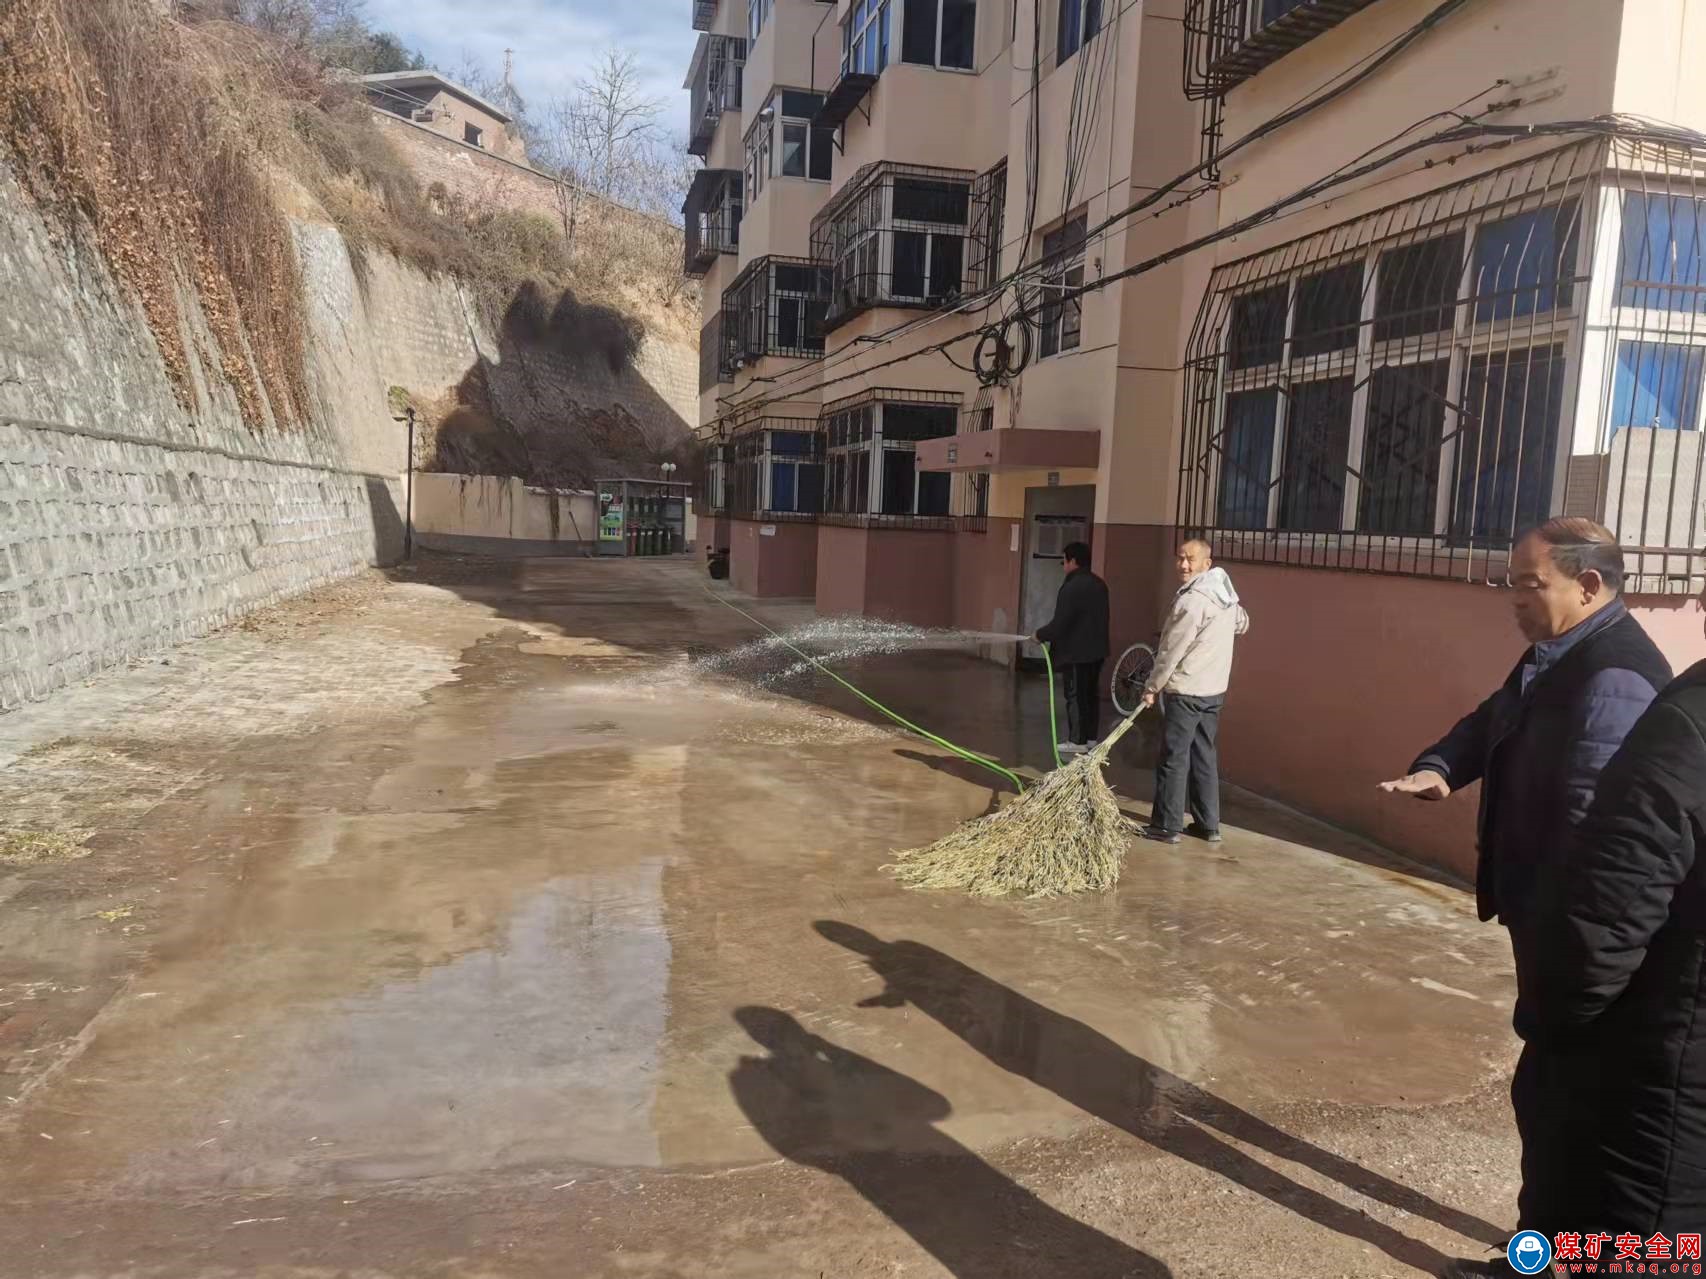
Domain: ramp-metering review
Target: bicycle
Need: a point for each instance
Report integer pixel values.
(1130, 674)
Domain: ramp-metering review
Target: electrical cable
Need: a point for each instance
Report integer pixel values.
(1375, 61)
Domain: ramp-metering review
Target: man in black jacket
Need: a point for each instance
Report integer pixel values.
(1537, 746)
(1077, 637)
(1614, 1012)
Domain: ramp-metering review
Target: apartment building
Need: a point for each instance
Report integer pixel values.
(1356, 289)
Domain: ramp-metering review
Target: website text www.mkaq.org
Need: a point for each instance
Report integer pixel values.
(1601, 1253)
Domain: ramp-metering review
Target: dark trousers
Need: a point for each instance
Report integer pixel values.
(1083, 701)
(1188, 768)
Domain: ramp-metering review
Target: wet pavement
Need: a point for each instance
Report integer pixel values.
(473, 923)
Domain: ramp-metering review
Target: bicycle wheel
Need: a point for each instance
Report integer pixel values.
(1131, 672)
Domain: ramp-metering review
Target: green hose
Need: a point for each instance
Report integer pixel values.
(1053, 732)
(982, 761)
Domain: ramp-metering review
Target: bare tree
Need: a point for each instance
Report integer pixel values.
(603, 135)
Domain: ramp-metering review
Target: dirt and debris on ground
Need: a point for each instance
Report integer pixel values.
(468, 923)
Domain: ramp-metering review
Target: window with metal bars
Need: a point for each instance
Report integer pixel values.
(1228, 41)
(871, 464)
(1400, 393)
(776, 307)
(988, 218)
(895, 236)
(777, 470)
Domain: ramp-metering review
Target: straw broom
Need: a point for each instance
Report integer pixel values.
(1064, 835)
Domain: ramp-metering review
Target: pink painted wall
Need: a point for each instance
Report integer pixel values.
(783, 565)
(986, 578)
(1344, 678)
(840, 570)
(900, 575)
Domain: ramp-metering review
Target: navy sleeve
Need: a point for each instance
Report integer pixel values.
(1606, 710)
(1622, 867)
(1461, 755)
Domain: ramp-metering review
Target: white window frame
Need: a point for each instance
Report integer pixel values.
(1061, 275)
(757, 15)
(1462, 342)
(870, 29)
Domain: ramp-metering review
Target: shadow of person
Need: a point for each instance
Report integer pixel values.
(1093, 1073)
(822, 1106)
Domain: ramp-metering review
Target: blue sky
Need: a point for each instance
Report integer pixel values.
(554, 40)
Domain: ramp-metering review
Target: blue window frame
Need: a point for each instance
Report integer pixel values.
(1662, 266)
(1525, 264)
(1247, 458)
(1657, 385)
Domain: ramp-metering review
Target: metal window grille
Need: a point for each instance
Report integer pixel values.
(713, 87)
(719, 458)
(1408, 392)
(1228, 41)
(871, 475)
(711, 218)
(895, 235)
(972, 501)
(776, 307)
(988, 218)
(713, 355)
(704, 14)
(777, 470)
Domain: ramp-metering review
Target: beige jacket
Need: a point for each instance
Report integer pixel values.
(1195, 657)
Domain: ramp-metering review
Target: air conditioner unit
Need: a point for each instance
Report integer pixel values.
(423, 115)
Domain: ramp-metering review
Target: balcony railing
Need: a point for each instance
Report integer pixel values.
(1228, 41)
(710, 219)
(713, 81)
(776, 307)
(896, 235)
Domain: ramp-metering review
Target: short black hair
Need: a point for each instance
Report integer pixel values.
(1078, 553)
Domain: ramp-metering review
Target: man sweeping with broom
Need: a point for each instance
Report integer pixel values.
(1193, 669)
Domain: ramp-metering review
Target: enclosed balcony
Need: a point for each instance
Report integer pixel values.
(704, 14)
(711, 217)
(776, 307)
(713, 81)
(1228, 41)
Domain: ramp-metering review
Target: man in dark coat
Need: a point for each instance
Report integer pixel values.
(1614, 1011)
(1077, 637)
(1537, 747)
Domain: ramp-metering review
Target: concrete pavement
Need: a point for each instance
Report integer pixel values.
(465, 924)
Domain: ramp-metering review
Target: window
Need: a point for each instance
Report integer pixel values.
(1247, 458)
(1329, 311)
(939, 33)
(1400, 450)
(1657, 385)
(1317, 437)
(896, 236)
(794, 474)
(787, 144)
(891, 431)
(1078, 23)
(473, 135)
(1416, 288)
(1063, 270)
(865, 38)
(757, 14)
(1662, 266)
(1257, 335)
(988, 214)
(1524, 264)
(1512, 404)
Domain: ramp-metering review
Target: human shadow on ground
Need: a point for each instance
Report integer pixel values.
(965, 771)
(822, 1106)
(1093, 1073)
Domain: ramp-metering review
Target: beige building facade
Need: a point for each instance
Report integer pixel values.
(442, 106)
(1357, 289)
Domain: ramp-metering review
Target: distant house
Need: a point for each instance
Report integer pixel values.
(446, 108)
